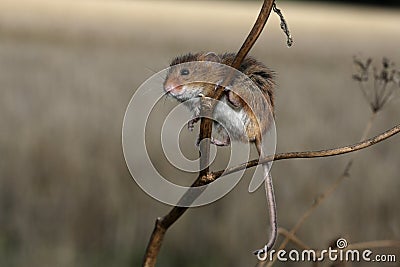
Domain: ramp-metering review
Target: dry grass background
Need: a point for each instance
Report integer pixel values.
(67, 72)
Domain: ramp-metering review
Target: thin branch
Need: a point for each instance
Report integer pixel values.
(388, 96)
(254, 33)
(293, 238)
(367, 97)
(312, 154)
(162, 224)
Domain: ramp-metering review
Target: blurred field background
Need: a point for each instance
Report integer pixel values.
(67, 72)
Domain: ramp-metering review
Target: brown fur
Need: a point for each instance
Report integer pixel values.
(253, 69)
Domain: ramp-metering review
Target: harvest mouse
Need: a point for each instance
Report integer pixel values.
(245, 111)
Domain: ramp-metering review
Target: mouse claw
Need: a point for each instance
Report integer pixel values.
(191, 123)
(190, 126)
(201, 95)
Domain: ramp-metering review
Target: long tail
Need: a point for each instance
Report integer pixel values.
(269, 190)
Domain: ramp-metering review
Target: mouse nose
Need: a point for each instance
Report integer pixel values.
(172, 88)
(168, 88)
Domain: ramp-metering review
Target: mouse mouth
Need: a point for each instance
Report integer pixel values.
(182, 92)
(173, 90)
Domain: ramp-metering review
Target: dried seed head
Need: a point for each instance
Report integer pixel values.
(381, 88)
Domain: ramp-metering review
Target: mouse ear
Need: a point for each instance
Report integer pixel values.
(211, 56)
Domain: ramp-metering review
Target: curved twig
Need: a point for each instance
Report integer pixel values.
(312, 154)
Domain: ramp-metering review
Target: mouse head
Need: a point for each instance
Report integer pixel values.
(189, 75)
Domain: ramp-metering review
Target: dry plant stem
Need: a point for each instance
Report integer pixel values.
(295, 240)
(284, 27)
(162, 224)
(254, 33)
(327, 192)
(312, 154)
(309, 154)
(244, 50)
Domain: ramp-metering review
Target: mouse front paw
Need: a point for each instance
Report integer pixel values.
(234, 99)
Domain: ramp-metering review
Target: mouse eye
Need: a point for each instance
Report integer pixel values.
(184, 72)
